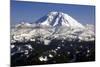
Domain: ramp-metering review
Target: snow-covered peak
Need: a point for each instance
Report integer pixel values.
(59, 19)
(55, 13)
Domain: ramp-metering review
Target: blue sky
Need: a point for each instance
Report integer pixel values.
(32, 11)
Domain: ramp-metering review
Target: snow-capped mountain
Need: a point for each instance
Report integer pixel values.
(59, 19)
(53, 25)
